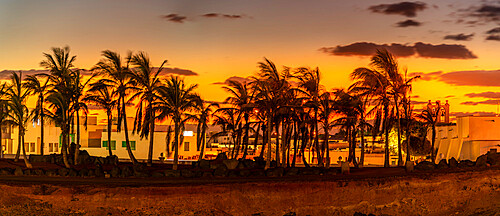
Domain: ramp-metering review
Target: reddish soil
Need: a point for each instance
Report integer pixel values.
(439, 193)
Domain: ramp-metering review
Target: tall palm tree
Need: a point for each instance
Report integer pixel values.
(205, 111)
(19, 114)
(176, 100)
(4, 111)
(101, 95)
(326, 110)
(147, 79)
(61, 76)
(77, 88)
(116, 73)
(430, 117)
(39, 88)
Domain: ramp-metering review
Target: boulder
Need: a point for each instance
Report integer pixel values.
(332, 171)
(310, 171)
(38, 172)
(91, 173)
(442, 164)
(18, 171)
(115, 172)
(63, 171)
(111, 160)
(453, 163)
(36, 158)
(6, 171)
(141, 174)
(221, 156)
(157, 174)
(344, 168)
(186, 173)
(204, 164)
(72, 172)
(409, 166)
(172, 173)
(249, 164)
(83, 172)
(233, 173)
(425, 166)
(275, 172)
(126, 172)
(51, 172)
(259, 162)
(231, 164)
(28, 172)
(292, 172)
(207, 174)
(465, 164)
(220, 171)
(99, 172)
(481, 161)
(493, 158)
(245, 172)
(259, 172)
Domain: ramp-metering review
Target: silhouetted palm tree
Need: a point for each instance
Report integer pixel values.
(19, 114)
(4, 110)
(77, 88)
(430, 118)
(147, 79)
(39, 88)
(326, 110)
(116, 73)
(176, 100)
(204, 111)
(101, 95)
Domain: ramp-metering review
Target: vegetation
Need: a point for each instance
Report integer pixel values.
(286, 111)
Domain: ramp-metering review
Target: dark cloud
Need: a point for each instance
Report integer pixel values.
(493, 30)
(489, 94)
(493, 37)
(487, 102)
(233, 78)
(471, 78)
(419, 102)
(174, 18)
(479, 14)
(229, 16)
(450, 96)
(459, 37)
(446, 51)
(179, 71)
(408, 23)
(5, 74)
(408, 9)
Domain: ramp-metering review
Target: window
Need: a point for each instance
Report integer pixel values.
(32, 147)
(56, 148)
(51, 147)
(113, 144)
(132, 144)
(186, 146)
(26, 147)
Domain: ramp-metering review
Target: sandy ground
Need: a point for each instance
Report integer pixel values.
(462, 193)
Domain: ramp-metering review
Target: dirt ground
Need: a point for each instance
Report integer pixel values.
(462, 193)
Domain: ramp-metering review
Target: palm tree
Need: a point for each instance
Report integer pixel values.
(4, 111)
(203, 118)
(19, 114)
(326, 110)
(148, 82)
(77, 88)
(101, 95)
(117, 74)
(39, 88)
(430, 118)
(61, 78)
(176, 100)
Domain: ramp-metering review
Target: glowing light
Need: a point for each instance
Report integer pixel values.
(187, 133)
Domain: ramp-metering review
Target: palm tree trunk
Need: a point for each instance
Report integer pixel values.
(127, 140)
(264, 140)
(203, 143)
(176, 145)
(316, 138)
(277, 153)
(362, 157)
(433, 157)
(246, 137)
(325, 143)
(41, 132)
(198, 136)
(26, 161)
(284, 142)
(354, 133)
(269, 132)
(64, 147)
(109, 135)
(408, 139)
(77, 147)
(18, 154)
(151, 139)
(400, 154)
(386, 129)
(295, 142)
(1, 142)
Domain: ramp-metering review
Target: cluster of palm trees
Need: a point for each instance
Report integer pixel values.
(289, 104)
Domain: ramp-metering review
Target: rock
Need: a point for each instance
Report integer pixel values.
(99, 172)
(72, 172)
(221, 156)
(259, 162)
(332, 171)
(18, 171)
(141, 174)
(250, 164)
(245, 173)
(425, 166)
(259, 172)
(186, 173)
(83, 172)
(275, 172)
(6, 171)
(51, 172)
(91, 173)
(207, 174)
(111, 160)
(310, 171)
(157, 174)
(115, 172)
(290, 214)
(126, 172)
(493, 158)
(231, 164)
(28, 172)
(240, 165)
(172, 173)
(204, 164)
(409, 166)
(63, 171)
(292, 172)
(442, 164)
(38, 172)
(220, 171)
(481, 161)
(453, 163)
(465, 164)
(36, 158)
(344, 168)
(233, 173)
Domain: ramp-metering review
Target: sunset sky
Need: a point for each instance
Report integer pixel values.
(454, 45)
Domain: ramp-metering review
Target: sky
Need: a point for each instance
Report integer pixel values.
(454, 45)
